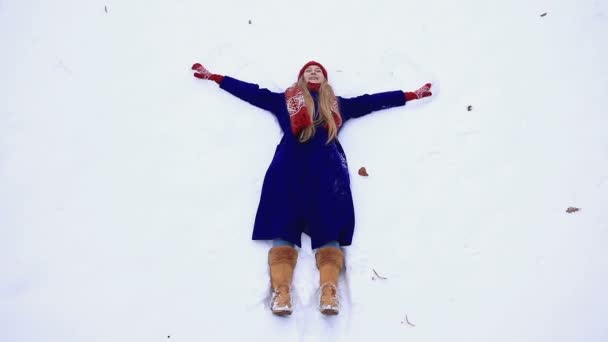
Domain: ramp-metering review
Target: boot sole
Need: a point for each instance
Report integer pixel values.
(282, 313)
(330, 312)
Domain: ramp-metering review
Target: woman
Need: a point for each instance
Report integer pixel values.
(307, 188)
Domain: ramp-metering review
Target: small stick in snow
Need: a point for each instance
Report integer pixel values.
(544, 14)
(407, 321)
(571, 210)
(377, 275)
(106, 8)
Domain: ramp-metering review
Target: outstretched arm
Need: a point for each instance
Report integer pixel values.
(361, 105)
(249, 92)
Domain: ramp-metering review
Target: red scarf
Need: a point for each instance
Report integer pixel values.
(298, 113)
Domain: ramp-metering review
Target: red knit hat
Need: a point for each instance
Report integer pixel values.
(312, 63)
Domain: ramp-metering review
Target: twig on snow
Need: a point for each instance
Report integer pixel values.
(407, 321)
(377, 275)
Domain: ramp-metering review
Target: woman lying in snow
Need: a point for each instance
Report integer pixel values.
(307, 188)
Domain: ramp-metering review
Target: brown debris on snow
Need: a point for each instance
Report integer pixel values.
(363, 172)
(571, 210)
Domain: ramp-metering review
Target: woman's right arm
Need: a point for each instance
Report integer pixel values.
(252, 93)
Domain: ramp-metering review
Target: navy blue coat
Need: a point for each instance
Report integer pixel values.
(307, 188)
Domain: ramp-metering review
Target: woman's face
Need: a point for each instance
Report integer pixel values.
(313, 74)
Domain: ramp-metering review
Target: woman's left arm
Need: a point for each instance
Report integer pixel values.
(361, 105)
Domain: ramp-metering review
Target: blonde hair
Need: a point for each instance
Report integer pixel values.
(326, 98)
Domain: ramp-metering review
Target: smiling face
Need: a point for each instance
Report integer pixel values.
(313, 74)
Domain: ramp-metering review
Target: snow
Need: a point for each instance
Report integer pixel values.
(129, 187)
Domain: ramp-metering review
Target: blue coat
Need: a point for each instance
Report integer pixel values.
(307, 188)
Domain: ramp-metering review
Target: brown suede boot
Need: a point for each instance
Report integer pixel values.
(329, 261)
(282, 261)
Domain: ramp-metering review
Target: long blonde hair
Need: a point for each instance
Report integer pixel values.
(326, 98)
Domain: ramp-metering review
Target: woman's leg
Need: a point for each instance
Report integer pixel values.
(282, 259)
(281, 242)
(330, 261)
(331, 244)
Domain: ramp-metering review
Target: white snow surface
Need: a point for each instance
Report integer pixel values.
(128, 188)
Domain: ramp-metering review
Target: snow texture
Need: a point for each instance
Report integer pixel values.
(128, 188)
